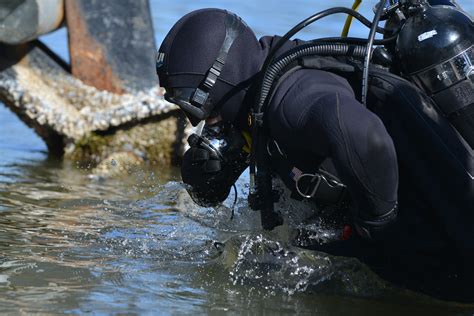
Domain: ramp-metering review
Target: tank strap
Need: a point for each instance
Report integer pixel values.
(326, 63)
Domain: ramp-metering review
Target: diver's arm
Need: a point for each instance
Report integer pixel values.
(268, 42)
(321, 111)
(208, 174)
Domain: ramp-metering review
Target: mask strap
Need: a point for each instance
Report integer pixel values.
(232, 31)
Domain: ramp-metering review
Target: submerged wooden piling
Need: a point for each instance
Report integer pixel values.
(112, 47)
(108, 100)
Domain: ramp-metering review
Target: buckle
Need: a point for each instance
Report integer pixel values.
(257, 119)
(200, 97)
(315, 179)
(211, 78)
(320, 187)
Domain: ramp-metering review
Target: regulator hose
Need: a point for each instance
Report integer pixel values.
(312, 19)
(368, 54)
(321, 49)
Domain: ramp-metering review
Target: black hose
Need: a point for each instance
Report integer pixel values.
(311, 20)
(322, 49)
(368, 54)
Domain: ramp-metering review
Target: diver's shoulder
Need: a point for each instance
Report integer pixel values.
(309, 81)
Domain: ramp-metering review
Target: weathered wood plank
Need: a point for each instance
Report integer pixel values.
(65, 112)
(111, 44)
(107, 103)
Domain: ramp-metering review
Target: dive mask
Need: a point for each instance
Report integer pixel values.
(184, 98)
(222, 140)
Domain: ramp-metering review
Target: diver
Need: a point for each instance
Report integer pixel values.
(404, 163)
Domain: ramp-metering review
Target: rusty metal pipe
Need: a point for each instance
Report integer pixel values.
(24, 20)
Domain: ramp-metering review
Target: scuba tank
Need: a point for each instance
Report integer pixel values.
(435, 49)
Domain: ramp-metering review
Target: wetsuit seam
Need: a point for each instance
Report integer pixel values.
(389, 215)
(302, 118)
(346, 144)
(283, 100)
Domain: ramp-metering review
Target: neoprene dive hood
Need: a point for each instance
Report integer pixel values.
(435, 48)
(207, 62)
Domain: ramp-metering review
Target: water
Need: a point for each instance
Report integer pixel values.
(70, 243)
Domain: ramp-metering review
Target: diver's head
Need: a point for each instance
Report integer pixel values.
(435, 48)
(207, 62)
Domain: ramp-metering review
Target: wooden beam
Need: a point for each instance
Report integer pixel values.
(63, 110)
(111, 44)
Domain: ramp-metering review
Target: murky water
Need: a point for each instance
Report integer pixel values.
(70, 243)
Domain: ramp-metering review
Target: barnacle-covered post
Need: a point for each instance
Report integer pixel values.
(111, 44)
(107, 100)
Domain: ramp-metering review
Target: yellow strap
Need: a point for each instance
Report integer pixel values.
(248, 139)
(347, 25)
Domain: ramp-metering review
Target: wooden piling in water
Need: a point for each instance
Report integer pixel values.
(108, 100)
(112, 47)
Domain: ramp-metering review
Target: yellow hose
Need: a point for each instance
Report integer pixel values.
(347, 25)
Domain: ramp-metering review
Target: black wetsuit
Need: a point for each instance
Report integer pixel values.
(432, 246)
(314, 115)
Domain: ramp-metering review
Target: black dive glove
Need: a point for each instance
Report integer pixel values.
(213, 164)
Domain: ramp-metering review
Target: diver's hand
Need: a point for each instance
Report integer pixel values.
(203, 173)
(202, 159)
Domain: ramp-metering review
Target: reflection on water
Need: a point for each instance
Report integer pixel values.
(137, 244)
